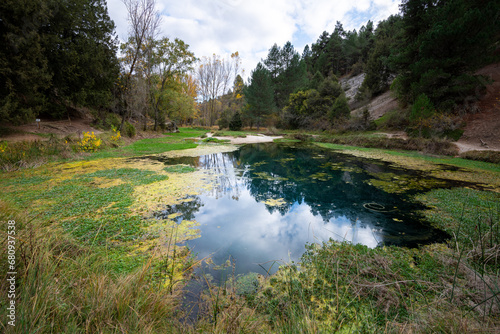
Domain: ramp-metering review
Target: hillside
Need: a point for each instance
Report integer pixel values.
(482, 129)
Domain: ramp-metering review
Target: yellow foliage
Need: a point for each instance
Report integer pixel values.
(116, 134)
(90, 142)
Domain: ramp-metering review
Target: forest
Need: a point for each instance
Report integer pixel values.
(59, 57)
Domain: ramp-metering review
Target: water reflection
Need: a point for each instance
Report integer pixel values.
(269, 200)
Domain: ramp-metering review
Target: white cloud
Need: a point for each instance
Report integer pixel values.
(252, 27)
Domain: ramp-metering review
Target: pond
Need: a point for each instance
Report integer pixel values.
(269, 200)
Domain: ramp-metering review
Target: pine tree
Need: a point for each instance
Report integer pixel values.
(54, 55)
(444, 42)
(259, 95)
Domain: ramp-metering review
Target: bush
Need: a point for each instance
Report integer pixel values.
(223, 123)
(339, 109)
(89, 143)
(129, 129)
(116, 134)
(362, 123)
(421, 112)
(426, 122)
(395, 119)
(111, 120)
(235, 123)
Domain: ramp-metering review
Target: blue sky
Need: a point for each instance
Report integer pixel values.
(252, 27)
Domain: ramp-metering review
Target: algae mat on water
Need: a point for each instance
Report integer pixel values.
(108, 203)
(486, 175)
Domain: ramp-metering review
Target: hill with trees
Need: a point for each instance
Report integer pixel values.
(57, 57)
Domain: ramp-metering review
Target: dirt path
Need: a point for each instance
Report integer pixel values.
(249, 139)
(33, 131)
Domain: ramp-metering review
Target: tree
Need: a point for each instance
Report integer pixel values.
(214, 78)
(23, 67)
(316, 107)
(444, 42)
(55, 55)
(379, 67)
(235, 123)
(144, 24)
(170, 61)
(259, 95)
(288, 72)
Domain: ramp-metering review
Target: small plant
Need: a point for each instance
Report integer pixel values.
(116, 134)
(129, 130)
(3, 147)
(89, 143)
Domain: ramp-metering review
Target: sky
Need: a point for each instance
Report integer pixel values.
(252, 27)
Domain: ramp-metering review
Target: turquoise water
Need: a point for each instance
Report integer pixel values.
(271, 199)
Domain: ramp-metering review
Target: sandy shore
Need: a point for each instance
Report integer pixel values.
(249, 139)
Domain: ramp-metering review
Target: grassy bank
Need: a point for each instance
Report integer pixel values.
(91, 258)
(27, 154)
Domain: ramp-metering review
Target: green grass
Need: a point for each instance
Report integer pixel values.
(21, 155)
(215, 140)
(179, 169)
(459, 162)
(78, 272)
(473, 217)
(188, 133)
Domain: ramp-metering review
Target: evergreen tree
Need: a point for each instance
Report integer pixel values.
(53, 55)
(259, 95)
(379, 67)
(24, 73)
(288, 72)
(235, 124)
(444, 42)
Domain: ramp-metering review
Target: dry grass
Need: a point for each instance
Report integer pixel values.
(64, 287)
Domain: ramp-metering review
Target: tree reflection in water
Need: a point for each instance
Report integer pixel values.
(269, 200)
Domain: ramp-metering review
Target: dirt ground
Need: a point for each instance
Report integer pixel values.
(32, 131)
(482, 131)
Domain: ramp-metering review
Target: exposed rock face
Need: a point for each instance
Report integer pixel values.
(351, 85)
(378, 106)
(171, 127)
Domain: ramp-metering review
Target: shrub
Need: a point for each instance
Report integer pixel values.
(111, 120)
(223, 123)
(395, 119)
(487, 156)
(235, 124)
(129, 129)
(362, 123)
(116, 134)
(421, 112)
(89, 143)
(339, 109)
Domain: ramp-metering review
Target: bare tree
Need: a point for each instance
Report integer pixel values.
(215, 77)
(144, 26)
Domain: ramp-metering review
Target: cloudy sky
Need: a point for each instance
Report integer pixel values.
(252, 27)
